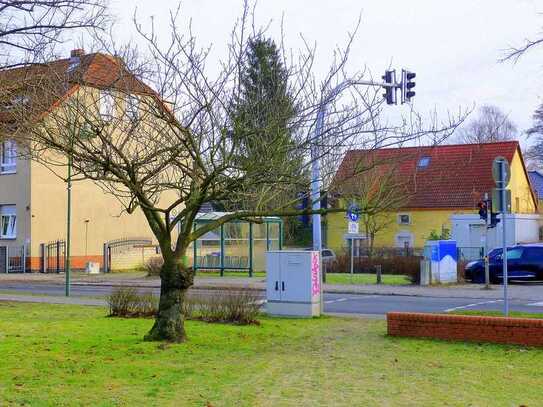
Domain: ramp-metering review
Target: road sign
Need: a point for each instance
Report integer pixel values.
(496, 168)
(352, 227)
(353, 212)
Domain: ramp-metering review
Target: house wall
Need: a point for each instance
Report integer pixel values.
(522, 200)
(106, 217)
(421, 225)
(15, 190)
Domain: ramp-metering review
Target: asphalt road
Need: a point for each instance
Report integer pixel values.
(333, 303)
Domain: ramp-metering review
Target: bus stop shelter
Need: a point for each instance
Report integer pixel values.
(238, 245)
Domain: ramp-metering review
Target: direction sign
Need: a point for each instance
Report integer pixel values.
(496, 169)
(353, 212)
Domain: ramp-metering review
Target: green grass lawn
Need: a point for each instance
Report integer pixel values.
(365, 278)
(59, 355)
(514, 314)
(331, 278)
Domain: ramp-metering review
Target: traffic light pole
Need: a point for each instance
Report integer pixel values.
(503, 208)
(315, 151)
(487, 260)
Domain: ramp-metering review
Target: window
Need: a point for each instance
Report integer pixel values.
(107, 104)
(132, 108)
(423, 162)
(8, 222)
(404, 219)
(514, 253)
(8, 156)
(534, 254)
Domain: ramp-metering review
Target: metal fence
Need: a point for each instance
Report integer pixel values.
(55, 259)
(126, 253)
(12, 259)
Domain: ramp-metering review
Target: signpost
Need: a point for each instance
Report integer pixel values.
(352, 230)
(502, 174)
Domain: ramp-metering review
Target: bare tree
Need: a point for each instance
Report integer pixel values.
(29, 29)
(169, 150)
(491, 125)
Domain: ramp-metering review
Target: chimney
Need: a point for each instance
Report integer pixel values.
(77, 53)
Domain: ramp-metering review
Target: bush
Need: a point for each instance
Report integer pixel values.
(153, 266)
(238, 307)
(390, 264)
(127, 302)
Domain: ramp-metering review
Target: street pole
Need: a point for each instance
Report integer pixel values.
(316, 195)
(68, 226)
(315, 161)
(487, 224)
(503, 193)
(352, 258)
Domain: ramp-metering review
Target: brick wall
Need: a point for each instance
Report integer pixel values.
(520, 331)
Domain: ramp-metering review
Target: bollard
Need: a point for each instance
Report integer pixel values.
(378, 273)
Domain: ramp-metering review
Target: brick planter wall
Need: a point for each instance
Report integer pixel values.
(519, 331)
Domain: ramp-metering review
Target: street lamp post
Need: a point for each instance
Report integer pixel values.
(316, 180)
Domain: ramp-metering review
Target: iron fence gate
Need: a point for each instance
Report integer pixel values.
(56, 257)
(127, 253)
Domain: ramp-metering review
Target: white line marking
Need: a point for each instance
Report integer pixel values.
(472, 305)
(536, 304)
(338, 300)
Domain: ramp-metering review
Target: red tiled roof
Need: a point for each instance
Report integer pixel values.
(56, 81)
(457, 176)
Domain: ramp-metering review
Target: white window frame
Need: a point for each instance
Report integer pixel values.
(133, 107)
(400, 219)
(8, 157)
(107, 104)
(8, 222)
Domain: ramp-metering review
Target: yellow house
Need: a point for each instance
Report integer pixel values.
(434, 183)
(33, 199)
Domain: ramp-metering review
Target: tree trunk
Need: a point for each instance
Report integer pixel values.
(169, 325)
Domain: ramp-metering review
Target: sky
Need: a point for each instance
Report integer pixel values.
(453, 46)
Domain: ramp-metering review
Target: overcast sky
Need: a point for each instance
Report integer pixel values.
(453, 46)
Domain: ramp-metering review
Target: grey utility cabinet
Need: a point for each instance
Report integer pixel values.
(293, 284)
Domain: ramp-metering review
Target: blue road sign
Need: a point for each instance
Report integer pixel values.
(353, 212)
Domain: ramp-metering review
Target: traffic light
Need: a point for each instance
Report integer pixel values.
(407, 85)
(493, 219)
(483, 209)
(390, 91)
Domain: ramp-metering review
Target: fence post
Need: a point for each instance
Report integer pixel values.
(42, 257)
(24, 258)
(58, 256)
(104, 258)
(378, 273)
(7, 259)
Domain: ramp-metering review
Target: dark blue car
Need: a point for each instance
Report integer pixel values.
(524, 262)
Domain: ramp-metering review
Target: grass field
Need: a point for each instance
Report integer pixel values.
(331, 278)
(514, 314)
(58, 355)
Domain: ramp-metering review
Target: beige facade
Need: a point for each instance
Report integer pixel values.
(39, 194)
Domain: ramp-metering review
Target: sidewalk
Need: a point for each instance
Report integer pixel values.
(516, 291)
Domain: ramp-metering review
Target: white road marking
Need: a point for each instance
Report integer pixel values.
(350, 298)
(536, 304)
(338, 300)
(472, 305)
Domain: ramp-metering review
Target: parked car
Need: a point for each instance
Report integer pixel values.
(524, 262)
(327, 255)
